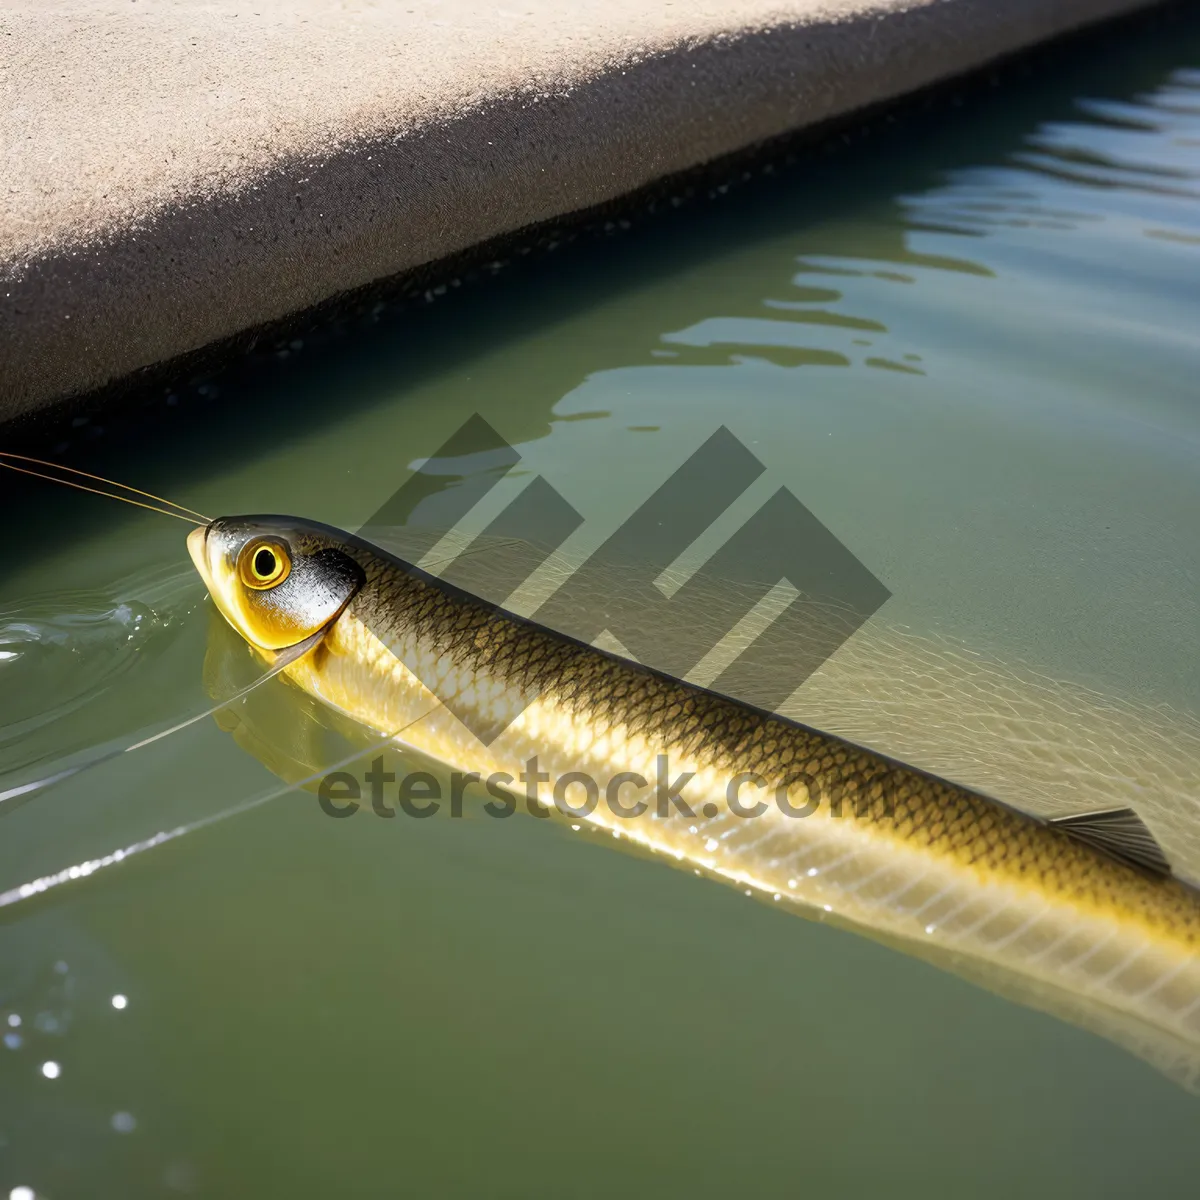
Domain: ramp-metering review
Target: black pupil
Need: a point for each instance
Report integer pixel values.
(264, 563)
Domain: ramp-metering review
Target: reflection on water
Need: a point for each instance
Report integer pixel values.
(764, 855)
(846, 338)
(970, 350)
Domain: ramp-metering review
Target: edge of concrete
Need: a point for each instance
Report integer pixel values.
(102, 304)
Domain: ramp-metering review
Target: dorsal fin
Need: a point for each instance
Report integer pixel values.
(1119, 833)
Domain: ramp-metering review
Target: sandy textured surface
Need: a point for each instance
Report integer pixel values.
(175, 171)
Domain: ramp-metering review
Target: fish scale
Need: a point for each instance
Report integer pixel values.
(888, 849)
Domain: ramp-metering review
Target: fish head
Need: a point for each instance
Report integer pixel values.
(276, 580)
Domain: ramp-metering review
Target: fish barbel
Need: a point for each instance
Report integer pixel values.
(1086, 906)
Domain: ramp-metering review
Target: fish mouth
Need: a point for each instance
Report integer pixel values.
(197, 544)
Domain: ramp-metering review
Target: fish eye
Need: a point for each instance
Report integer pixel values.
(263, 564)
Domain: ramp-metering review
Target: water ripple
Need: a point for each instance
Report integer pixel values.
(65, 652)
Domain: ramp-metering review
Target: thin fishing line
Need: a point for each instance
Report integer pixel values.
(45, 883)
(96, 492)
(100, 479)
(26, 791)
(16, 797)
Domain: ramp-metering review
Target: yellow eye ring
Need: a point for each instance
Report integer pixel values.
(264, 564)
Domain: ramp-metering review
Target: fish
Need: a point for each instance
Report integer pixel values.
(1079, 914)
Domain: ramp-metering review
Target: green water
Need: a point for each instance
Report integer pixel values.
(971, 349)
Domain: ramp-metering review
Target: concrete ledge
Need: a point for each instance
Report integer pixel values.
(173, 172)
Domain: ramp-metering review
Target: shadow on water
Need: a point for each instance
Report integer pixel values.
(664, 271)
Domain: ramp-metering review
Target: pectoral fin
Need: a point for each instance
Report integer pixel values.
(1119, 833)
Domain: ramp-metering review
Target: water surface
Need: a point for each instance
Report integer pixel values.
(970, 349)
